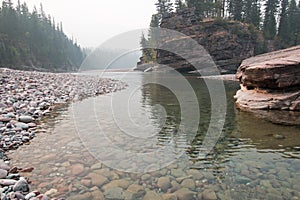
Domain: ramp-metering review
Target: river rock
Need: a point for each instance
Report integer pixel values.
(188, 183)
(4, 119)
(136, 191)
(177, 172)
(114, 193)
(122, 183)
(97, 179)
(96, 166)
(164, 183)
(86, 182)
(31, 195)
(169, 196)
(51, 192)
(26, 119)
(97, 194)
(27, 96)
(84, 196)
(3, 165)
(31, 125)
(3, 173)
(21, 186)
(209, 195)
(151, 195)
(7, 182)
(15, 196)
(77, 169)
(22, 125)
(185, 194)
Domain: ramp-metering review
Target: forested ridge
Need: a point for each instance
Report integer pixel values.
(277, 20)
(33, 40)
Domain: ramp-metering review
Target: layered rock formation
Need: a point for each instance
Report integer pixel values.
(228, 42)
(271, 82)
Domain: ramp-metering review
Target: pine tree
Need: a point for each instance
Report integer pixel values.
(235, 9)
(252, 12)
(269, 26)
(30, 38)
(179, 5)
(163, 7)
(256, 13)
(294, 20)
(284, 25)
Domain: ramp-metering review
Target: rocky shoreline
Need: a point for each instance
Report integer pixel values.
(26, 98)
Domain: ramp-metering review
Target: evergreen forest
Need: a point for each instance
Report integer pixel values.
(33, 40)
(278, 20)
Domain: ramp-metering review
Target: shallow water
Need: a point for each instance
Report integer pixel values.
(159, 147)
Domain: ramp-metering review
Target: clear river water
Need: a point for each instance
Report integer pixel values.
(94, 149)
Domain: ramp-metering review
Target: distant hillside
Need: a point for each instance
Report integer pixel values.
(107, 58)
(34, 41)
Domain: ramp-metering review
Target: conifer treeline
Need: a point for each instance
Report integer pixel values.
(34, 39)
(278, 19)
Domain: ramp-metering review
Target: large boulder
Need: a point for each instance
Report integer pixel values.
(271, 82)
(279, 70)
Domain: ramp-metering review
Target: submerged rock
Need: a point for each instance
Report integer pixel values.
(164, 183)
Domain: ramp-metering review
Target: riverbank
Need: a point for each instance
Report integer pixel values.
(26, 98)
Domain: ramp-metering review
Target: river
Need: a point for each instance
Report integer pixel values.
(157, 139)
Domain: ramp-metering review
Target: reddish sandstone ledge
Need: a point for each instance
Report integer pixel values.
(275, 70)
(270, 81)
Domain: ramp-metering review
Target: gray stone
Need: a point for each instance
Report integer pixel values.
(164, 183)
(7, 182)
(209, 195)
(4, 119)
(3, 173)
(188, 183)
(3, 165)
(151, 195)
(242, 180)
(185, 194)
(97, 179)
(15, 196)
(96, 166)
(169, 196)
(26, 119)
(22, 125)
(114, 193)
(136, 190)
(21, 186)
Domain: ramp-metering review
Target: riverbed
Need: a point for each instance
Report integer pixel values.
(93, 149)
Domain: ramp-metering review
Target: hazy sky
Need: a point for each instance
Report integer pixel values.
(92, 22)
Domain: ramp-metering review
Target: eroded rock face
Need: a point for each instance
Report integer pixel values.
(271, 82)
(227, 42)
(267, 100)
(276, 70)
